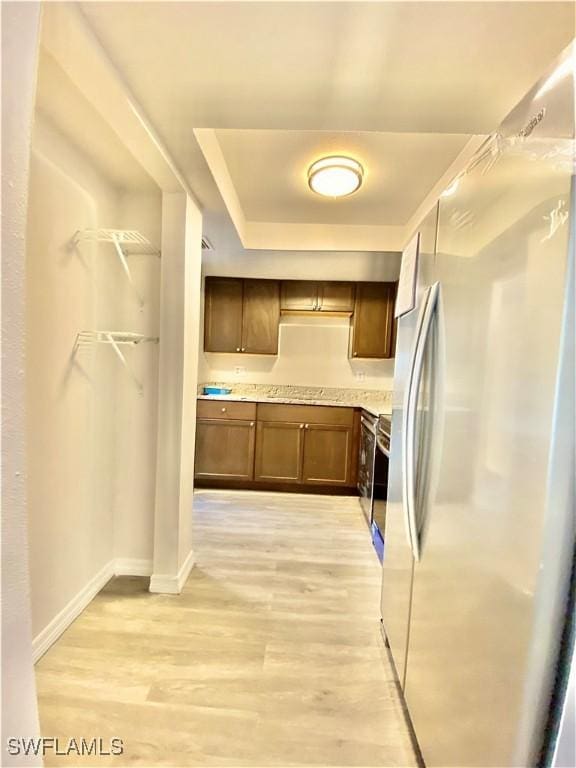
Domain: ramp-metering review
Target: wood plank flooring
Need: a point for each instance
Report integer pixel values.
(271, 656)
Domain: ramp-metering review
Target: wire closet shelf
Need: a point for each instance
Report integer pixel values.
(116, 340)
(126, 242)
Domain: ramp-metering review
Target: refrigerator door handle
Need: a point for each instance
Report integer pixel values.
(411, 411)
(408, 429)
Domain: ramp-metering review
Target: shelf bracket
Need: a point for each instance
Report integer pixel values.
(116, 339)
(122, 258)
(124, 362)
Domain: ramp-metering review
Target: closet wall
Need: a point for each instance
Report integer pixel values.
(91, 435)
(135, 417)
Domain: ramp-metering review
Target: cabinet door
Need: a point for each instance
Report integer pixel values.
(279, 451)
(327, 455)
(373, 320)
(223, 315)
(299, 295)
(336, 297)
(224, 449)
(261, 317)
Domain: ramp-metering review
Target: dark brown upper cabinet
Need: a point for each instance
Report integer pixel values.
(299, 296)
(242, 315)
(336, 297)
(373, 324)
(223, 314)
(311, 296)
(261, 317)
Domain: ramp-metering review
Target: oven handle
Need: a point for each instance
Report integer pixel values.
(411, 411)
(370, 427)
(382, 447)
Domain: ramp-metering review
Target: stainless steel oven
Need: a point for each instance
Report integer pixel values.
(367, 453)
(380, 485)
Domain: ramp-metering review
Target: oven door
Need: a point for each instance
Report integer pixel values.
(366, 469)
(380, 493)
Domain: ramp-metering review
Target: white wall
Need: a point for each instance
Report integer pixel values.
(179, 331)
(70, 440)
(20, 30)
(312, 351)
(136, 415)
(91, 435)
(302, 265)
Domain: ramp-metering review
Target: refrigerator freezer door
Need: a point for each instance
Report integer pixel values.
(398, 561)
(501, 260)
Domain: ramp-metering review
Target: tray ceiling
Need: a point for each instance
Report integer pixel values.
(266, 85)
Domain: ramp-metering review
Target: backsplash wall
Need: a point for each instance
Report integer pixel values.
(312, 352)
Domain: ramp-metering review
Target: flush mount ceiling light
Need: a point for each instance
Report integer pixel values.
(335, 176)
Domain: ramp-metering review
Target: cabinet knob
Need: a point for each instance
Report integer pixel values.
(238, 349)
(223, 410)
(301, 426)
(243, 349)
(251, 423)
(306, 426)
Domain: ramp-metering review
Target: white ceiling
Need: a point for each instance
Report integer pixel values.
(59, 100)
(269, 172)
(453, 67)
(269, 77)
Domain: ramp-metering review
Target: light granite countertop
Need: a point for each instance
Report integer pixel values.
(342, 398)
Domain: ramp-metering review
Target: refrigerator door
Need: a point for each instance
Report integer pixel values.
(481, 589)
(398, 561)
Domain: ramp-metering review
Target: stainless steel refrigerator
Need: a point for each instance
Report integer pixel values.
(480, 529)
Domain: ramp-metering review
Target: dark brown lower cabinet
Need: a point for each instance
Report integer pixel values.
(276, 446)
(225, 449)
(327, 454)
(279, 449)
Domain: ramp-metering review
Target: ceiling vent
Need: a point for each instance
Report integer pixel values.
(206, 244)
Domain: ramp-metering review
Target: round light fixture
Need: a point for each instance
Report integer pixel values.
(335, 176)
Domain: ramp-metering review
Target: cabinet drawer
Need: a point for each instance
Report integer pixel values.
(306, 414)
(225, 409)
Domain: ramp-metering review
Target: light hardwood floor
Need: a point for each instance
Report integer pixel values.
(271, 655)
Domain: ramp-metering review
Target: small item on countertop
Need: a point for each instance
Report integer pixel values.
(216, 390)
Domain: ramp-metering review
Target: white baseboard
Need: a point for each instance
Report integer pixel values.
(173, 585)
(126, 566)
(118, 567)
(184, 571)
(62, 620)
